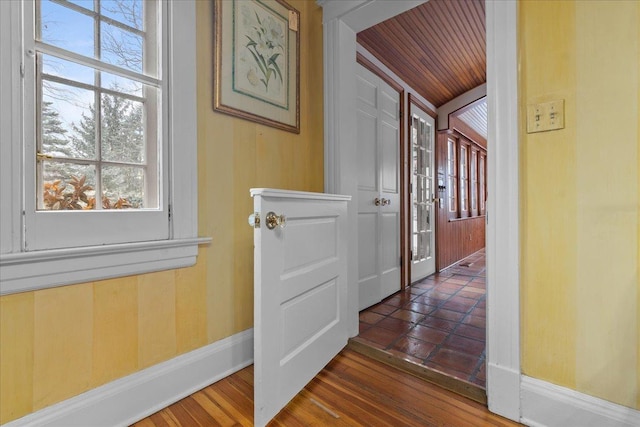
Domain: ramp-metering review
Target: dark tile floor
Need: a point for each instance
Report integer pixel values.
(438, 323)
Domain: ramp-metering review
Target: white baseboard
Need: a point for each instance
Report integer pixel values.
(131, 398)
(549, 405)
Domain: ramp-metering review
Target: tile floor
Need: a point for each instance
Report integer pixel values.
(438, 323)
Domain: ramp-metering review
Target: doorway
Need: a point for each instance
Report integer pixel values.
(341, 23)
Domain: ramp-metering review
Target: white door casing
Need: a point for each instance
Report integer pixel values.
(342, 20)
(300, 293)
(378, 166)
(423, 194)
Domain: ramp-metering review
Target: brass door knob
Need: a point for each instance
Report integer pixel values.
(272, 220)
(377, 201)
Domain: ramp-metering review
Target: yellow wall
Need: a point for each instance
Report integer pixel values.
(57, 343)
(580, 197)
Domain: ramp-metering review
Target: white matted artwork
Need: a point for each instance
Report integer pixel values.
(257, 62)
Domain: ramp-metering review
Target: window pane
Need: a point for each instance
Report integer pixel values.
(122, 130)
(69, 70)
(66, 28)
(121, 84)
(67, 186)
(123, 187)
(474, 181)
(453, 206)
(68, 125)
(121, 47)
(126, 11)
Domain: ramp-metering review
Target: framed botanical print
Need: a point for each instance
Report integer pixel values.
(257, 54)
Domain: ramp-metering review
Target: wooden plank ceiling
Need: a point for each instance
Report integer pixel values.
(438, 48)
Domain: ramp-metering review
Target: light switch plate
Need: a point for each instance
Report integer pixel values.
(545, 116)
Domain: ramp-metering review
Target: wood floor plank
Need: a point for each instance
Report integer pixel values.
(244, 418)
(222, 417)
(352, 390)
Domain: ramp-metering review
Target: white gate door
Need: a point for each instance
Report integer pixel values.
(378, 126)
(423, 195)
(300, 292)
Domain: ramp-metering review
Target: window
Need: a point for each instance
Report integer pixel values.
(97, 105)
(99, 94)
(463, 172)
(474, 181)
(466, 179)
(482, 187)
(93, 76)
(452, 176)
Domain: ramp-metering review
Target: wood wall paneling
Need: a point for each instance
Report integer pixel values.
(455, 238)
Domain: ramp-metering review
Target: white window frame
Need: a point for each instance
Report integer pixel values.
(48, 229)
(23, 270)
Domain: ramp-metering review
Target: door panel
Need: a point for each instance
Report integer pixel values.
(389, 103)
(367, 152)
(390, 161)
(300, 293)
(378, 130)
(368, 277)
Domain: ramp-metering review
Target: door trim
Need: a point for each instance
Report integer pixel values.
(341, 21)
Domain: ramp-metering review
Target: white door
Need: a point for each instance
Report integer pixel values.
(300, 292)
(378, 128)
(423, 195)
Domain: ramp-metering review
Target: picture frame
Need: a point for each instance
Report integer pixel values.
(257, 62)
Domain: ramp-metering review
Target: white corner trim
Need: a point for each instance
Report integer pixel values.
(505, 386)
(28, 271)
(136, 396)
(502, 231)
(546, 404)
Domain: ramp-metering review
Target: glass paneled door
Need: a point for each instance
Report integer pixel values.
(422, 195)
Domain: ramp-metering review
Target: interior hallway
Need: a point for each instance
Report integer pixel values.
(437, 323)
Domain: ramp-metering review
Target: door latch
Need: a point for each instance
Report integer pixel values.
(254, 220)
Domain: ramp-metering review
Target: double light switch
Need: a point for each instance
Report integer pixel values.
(545, 116)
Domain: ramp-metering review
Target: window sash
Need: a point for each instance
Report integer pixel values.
(61, 229)
(452, 176)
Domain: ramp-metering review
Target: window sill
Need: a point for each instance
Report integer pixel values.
(28, 271)
(466, 218)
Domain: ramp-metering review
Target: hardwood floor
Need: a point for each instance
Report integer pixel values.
(353, 390)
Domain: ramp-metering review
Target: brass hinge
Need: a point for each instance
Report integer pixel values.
(41, 156)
